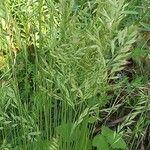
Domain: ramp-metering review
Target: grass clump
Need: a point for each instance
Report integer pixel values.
(66, 74)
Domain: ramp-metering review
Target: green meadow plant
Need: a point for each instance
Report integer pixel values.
(63, 59)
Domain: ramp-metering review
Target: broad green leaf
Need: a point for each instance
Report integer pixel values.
(107, 132)
(119, 143)
(64, 130)
(100, 142)
(113, 138)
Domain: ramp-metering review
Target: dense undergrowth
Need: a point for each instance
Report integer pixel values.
(74, 75)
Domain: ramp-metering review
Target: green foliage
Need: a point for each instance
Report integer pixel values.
(108, 139)
(64, 74)
(100, 142)
(64, 130)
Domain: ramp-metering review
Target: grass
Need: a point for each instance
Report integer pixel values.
(66, 82)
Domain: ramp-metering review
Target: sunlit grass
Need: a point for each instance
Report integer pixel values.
(63, 64)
